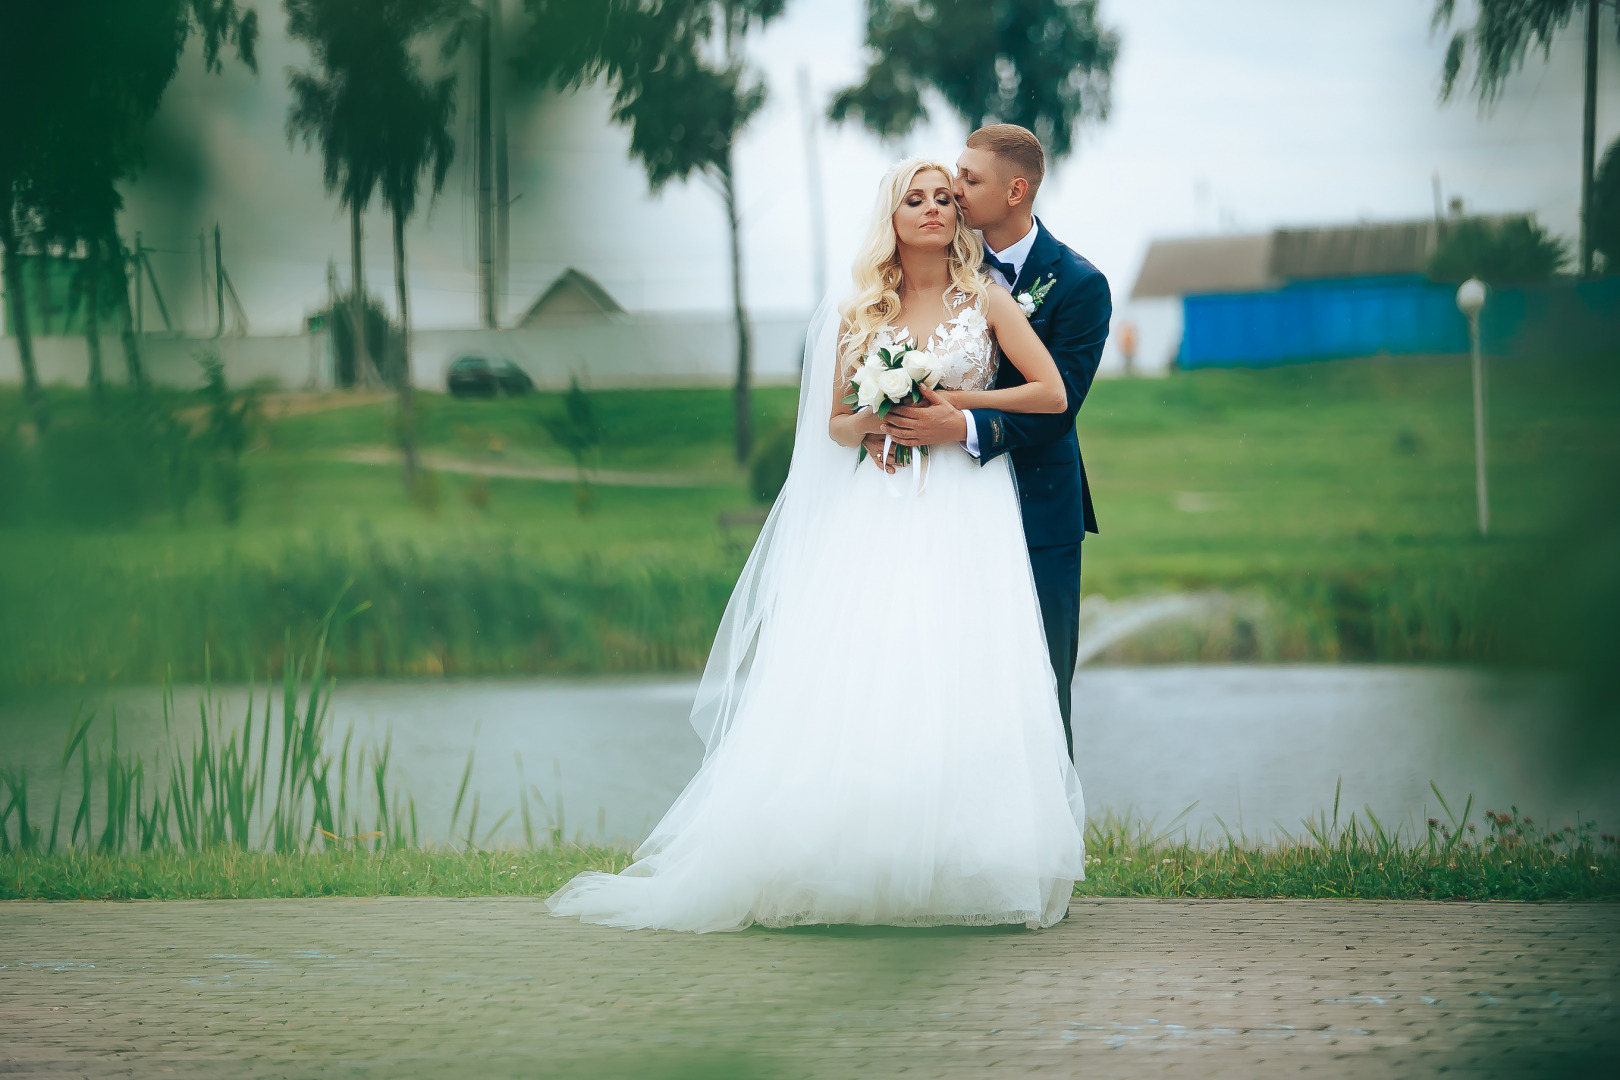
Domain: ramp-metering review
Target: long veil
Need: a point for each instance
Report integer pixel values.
(818, 468)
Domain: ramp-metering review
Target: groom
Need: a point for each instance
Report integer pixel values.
(997, 178)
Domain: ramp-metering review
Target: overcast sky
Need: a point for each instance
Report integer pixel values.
(1226, 117)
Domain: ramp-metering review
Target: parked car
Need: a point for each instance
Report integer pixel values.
(479, 376)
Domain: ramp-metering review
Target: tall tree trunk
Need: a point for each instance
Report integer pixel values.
(484, 166)
(1589, 136)
(500, 62)
(407, 393)
(126, 315)
(17, 318)
(42, 270)
(94, 273)
(357, 300)
(741, 393)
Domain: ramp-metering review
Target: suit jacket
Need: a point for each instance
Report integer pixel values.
(1072, 322)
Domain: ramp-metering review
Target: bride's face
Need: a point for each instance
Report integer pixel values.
(927, 214)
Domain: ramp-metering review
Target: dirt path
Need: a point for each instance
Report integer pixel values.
(382, 455)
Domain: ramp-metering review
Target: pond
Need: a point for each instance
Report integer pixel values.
(1253, 749)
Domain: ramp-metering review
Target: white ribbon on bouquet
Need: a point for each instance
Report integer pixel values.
(919, 474)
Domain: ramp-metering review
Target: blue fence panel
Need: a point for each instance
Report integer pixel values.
(1320, 321)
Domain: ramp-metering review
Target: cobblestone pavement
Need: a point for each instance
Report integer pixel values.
(495, 988)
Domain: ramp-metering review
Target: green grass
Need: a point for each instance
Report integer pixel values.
(241, 875)
(1338, 495)
(1514, 862)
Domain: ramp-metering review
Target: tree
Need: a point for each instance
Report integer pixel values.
(1046, 65)
(1499, 39)
(1606, 209)
(682, 85)
(416, 140)
(341, 107)
(1517, 251)
(91, 73)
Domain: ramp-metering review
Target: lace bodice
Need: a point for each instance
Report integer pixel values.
(963, 341)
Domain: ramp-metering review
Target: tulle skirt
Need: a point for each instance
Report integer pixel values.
(897, 756)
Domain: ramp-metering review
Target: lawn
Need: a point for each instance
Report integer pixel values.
(1352, 862)
(1339, 494)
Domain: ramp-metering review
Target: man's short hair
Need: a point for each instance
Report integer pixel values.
(1018, 147)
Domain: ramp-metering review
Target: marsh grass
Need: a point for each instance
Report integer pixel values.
(1360, 857)
(489, 609)
(271, 782)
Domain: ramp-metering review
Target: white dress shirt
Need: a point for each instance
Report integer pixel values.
(1014, 256)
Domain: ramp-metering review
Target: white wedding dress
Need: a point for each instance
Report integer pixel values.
(884, 744)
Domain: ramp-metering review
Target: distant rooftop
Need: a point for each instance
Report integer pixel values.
(1246, 263)
(574, 294)
(1205, 264)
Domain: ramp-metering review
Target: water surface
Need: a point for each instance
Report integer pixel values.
(1248, 748)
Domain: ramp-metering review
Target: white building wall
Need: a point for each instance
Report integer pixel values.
(649, 349)
(1158, 337)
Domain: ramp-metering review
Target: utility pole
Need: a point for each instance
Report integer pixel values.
(219, 286)
(503, 185)
(202, 270)
(485, 167)
(140, 286)
(812, 169)
(1470, 299)
(1589, 136)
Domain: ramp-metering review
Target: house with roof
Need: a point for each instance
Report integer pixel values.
(573, 297)
(1304, 294)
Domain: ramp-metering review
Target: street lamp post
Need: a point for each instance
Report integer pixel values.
(1470, 299)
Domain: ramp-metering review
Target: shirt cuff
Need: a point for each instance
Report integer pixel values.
(971, 443)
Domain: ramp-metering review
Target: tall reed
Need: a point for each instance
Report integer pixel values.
(270, 783)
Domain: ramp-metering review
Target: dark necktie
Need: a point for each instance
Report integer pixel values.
(1006, 269)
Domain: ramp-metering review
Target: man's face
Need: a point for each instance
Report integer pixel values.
(981, 189)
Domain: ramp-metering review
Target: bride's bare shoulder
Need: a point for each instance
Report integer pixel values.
(999, 304)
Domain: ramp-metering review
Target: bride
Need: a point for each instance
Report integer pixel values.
(881, 721)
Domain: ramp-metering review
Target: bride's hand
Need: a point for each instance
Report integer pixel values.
(874, 451)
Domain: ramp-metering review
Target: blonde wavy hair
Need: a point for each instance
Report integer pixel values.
(876, 300)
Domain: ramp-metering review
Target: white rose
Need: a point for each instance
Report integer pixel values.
(894, 383)
(867, 395)
(866, 372)
(1026, 304)
(864, 379)
(921, 366)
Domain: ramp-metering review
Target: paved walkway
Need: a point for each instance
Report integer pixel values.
(494, 988)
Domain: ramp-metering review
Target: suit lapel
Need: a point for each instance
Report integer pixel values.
(1042, 255)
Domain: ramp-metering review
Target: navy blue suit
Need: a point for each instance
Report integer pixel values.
(1072, 321)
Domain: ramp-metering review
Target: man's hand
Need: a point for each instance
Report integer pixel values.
(874, 452)
(926, 425)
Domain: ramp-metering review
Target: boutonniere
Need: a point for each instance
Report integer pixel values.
(1032, 298)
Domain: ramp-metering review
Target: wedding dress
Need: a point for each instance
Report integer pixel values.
(882, 728)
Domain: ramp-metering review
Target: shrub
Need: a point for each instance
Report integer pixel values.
(1517, 251)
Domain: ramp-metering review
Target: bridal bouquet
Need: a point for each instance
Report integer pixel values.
(893, 376)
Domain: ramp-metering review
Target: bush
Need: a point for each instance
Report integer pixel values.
(770, 468)
(229, 419)
(1606, 209)
(1517, 251)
